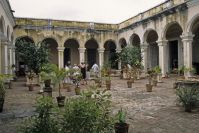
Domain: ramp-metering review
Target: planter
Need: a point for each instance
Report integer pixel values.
(188, 107)
(47, 91)
(47, 83)
(61, 101)
(129, 83)
(155, 82)
(108, 84)
(149, 87)
(77, 91)
(121, 127)
(1, 104)
(30, 87)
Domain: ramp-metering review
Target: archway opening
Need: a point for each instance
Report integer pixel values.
(195, 46)
(175, 47)
(91, 53)
(153, 50)
(110, 55)
(135, 42)
(71, 53)
(122, 43)
(20, 64)
(52, 49)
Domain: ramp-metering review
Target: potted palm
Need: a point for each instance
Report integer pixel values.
(121, 126)
(188, 96)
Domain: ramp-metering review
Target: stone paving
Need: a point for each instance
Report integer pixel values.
(147, 112)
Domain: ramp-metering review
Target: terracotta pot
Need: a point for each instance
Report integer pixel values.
(61, 101)
(31, 87)
(149, 87)
(129, 83)
(1, 104)
(108, 84)
(121, 127)
(77, 91)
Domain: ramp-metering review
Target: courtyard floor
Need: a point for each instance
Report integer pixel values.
(147, 112)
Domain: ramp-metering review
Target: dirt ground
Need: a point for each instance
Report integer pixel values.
(147, 112)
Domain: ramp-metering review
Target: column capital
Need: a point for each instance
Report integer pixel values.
(187, 36)
(162, 42)
(82, 50)
(60, 49)
(101, 50)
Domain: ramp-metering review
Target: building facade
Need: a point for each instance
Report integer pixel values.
(167, 34)
(7, 55)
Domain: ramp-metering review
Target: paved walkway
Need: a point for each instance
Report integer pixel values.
(155, 112)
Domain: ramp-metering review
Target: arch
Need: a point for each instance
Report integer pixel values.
(92, 57)
(2, 24)
(71, 52)
(8, 32)
(194, 29)
(25, 38)
(166, 28)
(122, 43)
(110, 55)
(52, 45)
(190, 24)
(150, 37)
(135, 40)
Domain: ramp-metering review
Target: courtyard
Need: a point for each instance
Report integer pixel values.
(147, 112)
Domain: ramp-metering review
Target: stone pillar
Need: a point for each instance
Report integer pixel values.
(187, 39)
(6, 57)
(163, 56)
(61, 56)
(82, 54)
(119, 61)
(11, 60)
(13, 57)
(144, 52)
(101, 57)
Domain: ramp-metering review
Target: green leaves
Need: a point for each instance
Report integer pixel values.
(131, 56)
(33, 56)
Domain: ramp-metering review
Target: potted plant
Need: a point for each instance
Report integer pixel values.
(30, 77)
(188, 96)
(130, 80)
(157, 71)
(106, 73)
(149, 85)
(121, 126)
(3, 78)
(76, 77)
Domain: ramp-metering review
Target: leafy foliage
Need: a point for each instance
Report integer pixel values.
(188, 96)
(44, 121)
(33, 56)
(3, 78)
(131, 56)
(121, 116)
(88, 114)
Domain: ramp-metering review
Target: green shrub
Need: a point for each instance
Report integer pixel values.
(87, 115)
(44, 121)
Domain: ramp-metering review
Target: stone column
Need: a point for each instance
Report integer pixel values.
(101, 57)
(11, 59)
(61, 56)
(119, 61)
(144, 52)
(82, 54)
(187, 39)
(163, 56)
(5, 57)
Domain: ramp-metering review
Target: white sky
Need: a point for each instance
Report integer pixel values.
(105, 11)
